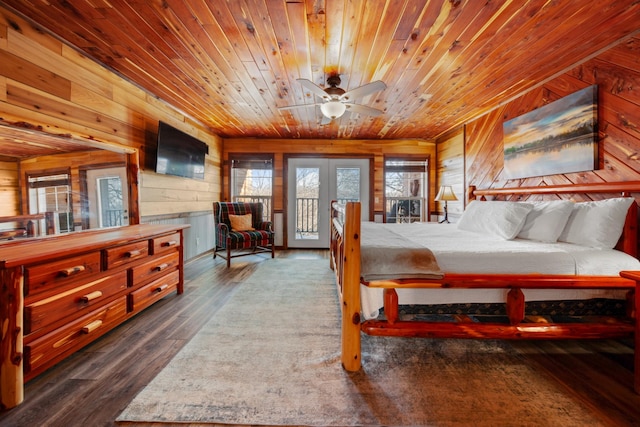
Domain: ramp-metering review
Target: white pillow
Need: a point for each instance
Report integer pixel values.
(597, 224)
(504, 219)
(546, 221)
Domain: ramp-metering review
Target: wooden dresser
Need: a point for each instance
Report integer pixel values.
(60, 293)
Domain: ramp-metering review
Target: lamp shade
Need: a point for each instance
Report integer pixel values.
(333, 109)
(445, 194)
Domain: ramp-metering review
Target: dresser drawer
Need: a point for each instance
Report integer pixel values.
(73, 302)
(42, 277)
(161, 244)
(56, 345)
(148, 294)
(126, 253)
(156, 266)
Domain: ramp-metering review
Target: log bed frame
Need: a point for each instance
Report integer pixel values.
(345, 261)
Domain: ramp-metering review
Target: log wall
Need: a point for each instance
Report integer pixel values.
(617, 74)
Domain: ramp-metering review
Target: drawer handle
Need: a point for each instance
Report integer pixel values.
(132, 254)
(91, 296)
(161, 288)
(161, 267)
(72, 270)
(92, 326)
(169, 243)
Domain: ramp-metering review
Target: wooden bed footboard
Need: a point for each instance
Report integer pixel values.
(345, 260)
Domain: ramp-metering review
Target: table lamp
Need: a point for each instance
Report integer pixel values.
(445, 195)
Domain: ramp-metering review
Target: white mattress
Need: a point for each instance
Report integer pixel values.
(459, 251)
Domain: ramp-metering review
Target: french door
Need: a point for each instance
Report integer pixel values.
(312, 184)
(107, 191)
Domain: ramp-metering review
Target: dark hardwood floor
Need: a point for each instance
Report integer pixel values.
(92, 387)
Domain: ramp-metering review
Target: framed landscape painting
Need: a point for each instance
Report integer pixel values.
(560, 137)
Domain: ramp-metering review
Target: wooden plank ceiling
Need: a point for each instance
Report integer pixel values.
(24, 141)
(231, 64)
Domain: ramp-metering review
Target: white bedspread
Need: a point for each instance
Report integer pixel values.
(386, 254)
(458, 251)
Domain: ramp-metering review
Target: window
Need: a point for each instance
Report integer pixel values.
(406, 181)
(252, 181)
(52, 193)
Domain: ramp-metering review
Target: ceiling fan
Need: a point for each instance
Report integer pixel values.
(336, 101)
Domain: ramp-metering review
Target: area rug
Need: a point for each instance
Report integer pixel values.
(271, 356)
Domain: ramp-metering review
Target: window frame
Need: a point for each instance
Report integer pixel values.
(424, 169)
(61, 182)
(253, 161)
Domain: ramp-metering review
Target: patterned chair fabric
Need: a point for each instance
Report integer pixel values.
(242, 243)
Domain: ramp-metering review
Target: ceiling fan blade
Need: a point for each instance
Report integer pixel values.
(317, 90)
(362, 109)
(363, 90)
(292, 107)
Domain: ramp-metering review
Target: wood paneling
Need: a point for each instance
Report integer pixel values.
(54, 99)
(231, 64)
(617, 73)
(450, 170)
(9, 189)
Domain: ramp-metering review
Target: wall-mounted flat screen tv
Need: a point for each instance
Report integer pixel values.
(180, 154)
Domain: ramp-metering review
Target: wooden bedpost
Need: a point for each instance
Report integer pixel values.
(636, 340)
(471, 193)
(351, 353)
(635, 275)
(11, 332)
(332, 237)
(630, 231)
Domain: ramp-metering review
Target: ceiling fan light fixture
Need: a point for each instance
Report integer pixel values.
(333, 109)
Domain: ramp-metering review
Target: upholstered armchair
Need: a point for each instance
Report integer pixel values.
(240, 230)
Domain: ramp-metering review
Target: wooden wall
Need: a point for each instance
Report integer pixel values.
(617, 74)
(450, 170)
(9, 191)
(376, 149)
(45, 83)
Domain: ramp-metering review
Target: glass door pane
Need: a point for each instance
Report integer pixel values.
(307, 202)
(312, 184)
(110, 200)
(108, 192)
(347, 184)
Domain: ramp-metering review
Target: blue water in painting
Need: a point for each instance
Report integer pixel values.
(568, 158)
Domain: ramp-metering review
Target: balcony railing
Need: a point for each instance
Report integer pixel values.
(307, 209)
(307, 216)
(112, 217)
(265, 200)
